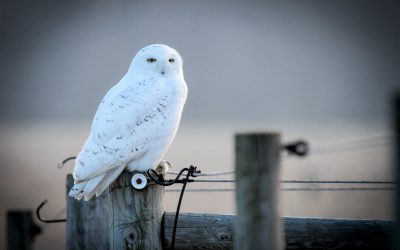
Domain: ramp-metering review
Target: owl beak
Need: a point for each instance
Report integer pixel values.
(163, 69)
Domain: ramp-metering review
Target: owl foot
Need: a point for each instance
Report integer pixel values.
(163, 167)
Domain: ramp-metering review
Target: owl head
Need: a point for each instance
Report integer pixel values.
(157, 59)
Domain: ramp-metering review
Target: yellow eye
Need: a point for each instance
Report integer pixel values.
(171, 60)
(151, 60)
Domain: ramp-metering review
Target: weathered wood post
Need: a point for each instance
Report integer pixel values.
(135, 215)
(87, 221)
(21, 230)
(215, 231)
(258, 225)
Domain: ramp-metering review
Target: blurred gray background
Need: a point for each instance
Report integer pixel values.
(318, 70)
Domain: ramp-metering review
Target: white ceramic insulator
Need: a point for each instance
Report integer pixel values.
(139, 181)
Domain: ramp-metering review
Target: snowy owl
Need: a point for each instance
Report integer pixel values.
(135, 123)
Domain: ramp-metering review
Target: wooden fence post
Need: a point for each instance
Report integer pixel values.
(135, 215)
(21, 230)
(87, 221)
(258, 225)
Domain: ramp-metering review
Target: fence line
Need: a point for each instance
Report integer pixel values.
(133, 228)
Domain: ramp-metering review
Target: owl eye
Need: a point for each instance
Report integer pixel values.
(171, 60)
(151, 60)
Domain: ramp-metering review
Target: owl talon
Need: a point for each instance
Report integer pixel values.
(163, 167)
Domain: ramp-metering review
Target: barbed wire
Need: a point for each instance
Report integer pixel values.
(202, 190)
(291, 189)
(313, 181)
(295, 181)
(338, 182)
(301, 189)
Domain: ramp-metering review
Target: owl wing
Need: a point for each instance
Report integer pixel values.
(118, 135)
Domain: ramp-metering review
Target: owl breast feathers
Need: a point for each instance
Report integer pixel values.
(135, 123)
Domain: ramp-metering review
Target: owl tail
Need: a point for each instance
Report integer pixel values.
(95, 185)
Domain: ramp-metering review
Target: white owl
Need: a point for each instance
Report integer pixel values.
(135, 122)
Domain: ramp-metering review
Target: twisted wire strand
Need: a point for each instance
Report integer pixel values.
(290, 189)
(206, 174)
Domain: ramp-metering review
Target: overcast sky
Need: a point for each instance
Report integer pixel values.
(283, 60)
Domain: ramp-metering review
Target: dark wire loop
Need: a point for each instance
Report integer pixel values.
(46, 220)
(160, 178)
(61, 165)
(191, 172)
